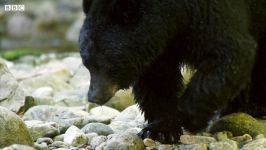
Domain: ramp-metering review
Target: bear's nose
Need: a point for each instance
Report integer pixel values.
(97, 96)
(92, 97)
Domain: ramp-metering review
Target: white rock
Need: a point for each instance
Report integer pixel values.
(75, 137)
(191, 139)
(124, 141)
(131, 117)
(193, 147)
(72, 63)
(46, 140)
(58, 144)
(243, 138)
(18, 147)
(99, 128)
(91, 136)
(11, 95)
(44, 100)
(41, 146)
(149, 142)
(64, 116)
(105, 112)
(166, 147)
(59, 137)
(71, 98)
(9, 64)
(258, 144)
(43, 92)
(53, 74)
(96, 141)
(46, 112)
(133, 130)
(12, 129)
(22, 71)
(45, 80)
(121, 100)
(40, 129)
(101, 146)
(223, 145)
(81, 78)
(8, 80)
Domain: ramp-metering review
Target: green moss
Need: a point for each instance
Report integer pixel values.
(239, 124)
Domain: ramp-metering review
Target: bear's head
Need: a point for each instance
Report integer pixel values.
(119, 39)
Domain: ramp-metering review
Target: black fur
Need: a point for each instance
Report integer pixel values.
(145, 44)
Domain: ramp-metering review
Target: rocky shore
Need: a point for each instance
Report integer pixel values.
(43, 106)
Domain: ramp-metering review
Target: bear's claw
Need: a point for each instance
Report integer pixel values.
(162, 134)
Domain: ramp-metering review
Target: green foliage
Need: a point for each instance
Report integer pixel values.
(16, 53)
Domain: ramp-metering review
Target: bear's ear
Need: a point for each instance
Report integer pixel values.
(86, 4)
(124, 11)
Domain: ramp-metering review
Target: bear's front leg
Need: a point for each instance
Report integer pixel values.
(156, 93)
(223, 70)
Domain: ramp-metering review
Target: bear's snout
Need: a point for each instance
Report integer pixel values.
(101, 91)
(98, 98)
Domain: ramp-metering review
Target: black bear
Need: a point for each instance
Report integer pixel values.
(145, 43)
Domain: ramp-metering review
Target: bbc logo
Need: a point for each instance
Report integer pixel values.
(14, 7)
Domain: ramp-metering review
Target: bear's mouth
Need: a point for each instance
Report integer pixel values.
(99, 101)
